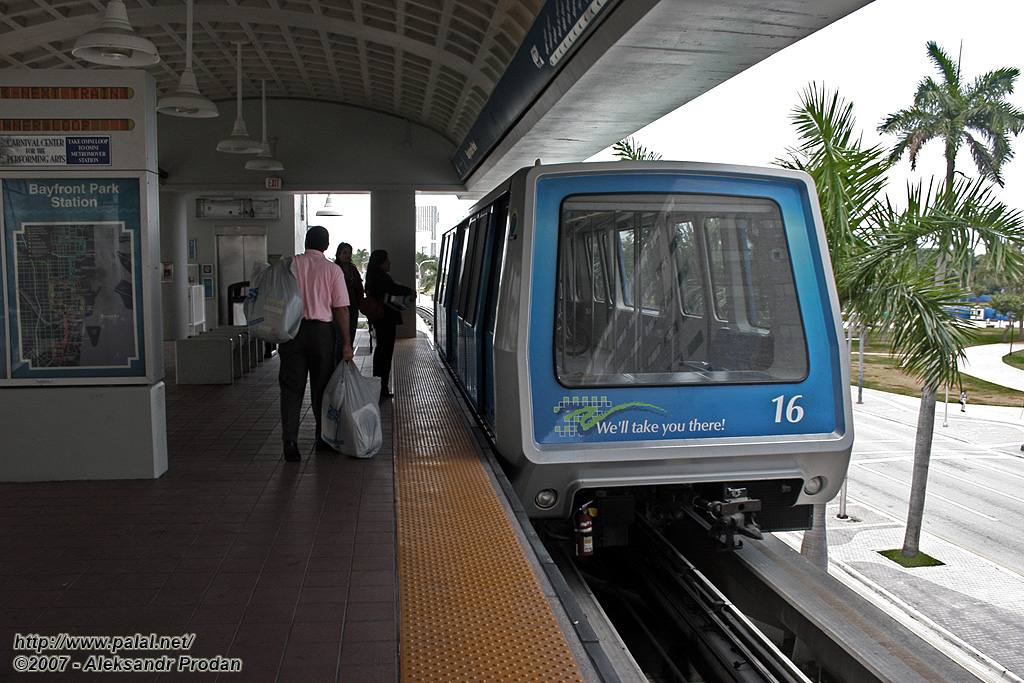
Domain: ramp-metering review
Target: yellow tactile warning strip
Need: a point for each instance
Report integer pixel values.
(471, 608)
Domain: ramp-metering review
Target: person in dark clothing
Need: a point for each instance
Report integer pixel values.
(354, 283)
(380, 286)
(324, 315)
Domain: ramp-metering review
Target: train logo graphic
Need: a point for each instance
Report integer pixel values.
(585, 415)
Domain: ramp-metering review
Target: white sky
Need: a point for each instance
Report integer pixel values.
(353, 226)
(874, 57)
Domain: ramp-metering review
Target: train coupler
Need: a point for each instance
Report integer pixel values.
(730, 516)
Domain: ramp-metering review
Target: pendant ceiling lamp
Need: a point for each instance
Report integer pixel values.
(186, 100)
(263, 160)
(115, 42)
(328, 210)
(239, 141)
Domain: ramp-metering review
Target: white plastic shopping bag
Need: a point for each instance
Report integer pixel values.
(350, 420)
(273, 310)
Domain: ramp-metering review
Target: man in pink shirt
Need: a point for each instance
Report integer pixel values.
(324, 315)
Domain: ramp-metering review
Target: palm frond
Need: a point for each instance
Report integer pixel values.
(848, 177)
(951, 110)
(630, 149)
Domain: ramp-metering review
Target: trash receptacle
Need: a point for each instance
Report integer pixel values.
(237, 294)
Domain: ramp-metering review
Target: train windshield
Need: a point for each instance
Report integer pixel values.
(658, 289)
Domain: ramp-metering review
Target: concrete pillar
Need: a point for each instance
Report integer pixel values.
(393, 228)
(174, 251)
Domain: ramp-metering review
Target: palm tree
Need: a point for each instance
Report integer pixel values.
(885, 259)
(952, 221)
(896, 281)
(847, 178)
(975, 114)
(630, 149)
(359, 258)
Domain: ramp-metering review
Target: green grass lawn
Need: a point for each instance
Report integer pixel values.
(881, 372)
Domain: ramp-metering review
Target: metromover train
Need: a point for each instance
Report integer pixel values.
(658, 334)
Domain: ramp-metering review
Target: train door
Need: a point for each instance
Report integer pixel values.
(471, 289)
(442, 294)
(495, 259)
(454, 293)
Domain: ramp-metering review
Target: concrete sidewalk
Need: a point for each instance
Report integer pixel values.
(986, 362)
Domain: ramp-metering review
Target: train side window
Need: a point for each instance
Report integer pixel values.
(655, 288)
(627, 265)
(469, 236)
(443, 268)
(476, 259)
(600, 282)
(718, 265)
(757, 271)
(687, 251)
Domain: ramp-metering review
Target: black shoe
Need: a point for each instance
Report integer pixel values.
(322, 445)
(385, 394)
(291, 451)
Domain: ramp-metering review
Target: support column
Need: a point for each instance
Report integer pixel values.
(81, 390)
(393, 228)
(174, 251)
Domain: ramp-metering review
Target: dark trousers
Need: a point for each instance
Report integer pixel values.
(312, 353)
(384, 351)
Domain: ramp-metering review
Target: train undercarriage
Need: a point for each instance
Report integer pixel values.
(726, 512)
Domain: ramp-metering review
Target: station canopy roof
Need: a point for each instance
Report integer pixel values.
(434, 63)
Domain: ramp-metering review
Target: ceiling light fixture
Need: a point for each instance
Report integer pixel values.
(328, 210)
(263, 160)
(239, 141)
(186, 100)
(115, 42)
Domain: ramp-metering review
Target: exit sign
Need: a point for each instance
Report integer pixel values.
(273, 183)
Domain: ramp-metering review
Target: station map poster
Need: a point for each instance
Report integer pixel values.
(73, 278)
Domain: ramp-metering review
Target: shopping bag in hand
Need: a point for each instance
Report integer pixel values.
(350, 420)
(273, 309)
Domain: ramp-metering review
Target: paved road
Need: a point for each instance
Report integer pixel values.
(975, 478)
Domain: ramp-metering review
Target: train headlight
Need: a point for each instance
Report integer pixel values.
(546, 499)
(813, 485)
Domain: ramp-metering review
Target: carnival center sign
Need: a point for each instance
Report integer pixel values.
(55, 150)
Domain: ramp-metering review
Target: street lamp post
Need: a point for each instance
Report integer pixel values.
(419, 270)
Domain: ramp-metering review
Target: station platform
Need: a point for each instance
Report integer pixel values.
(401, 567)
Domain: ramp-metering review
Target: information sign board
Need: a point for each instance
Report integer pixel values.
(73, 278)
(55, 150)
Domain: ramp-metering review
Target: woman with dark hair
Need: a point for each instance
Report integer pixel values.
(354, 283)
(380, 286)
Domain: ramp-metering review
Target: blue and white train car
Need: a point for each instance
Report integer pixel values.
(664, 331)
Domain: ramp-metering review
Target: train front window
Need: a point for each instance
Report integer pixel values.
(700, 290)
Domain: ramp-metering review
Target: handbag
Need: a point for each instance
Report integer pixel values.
(273, 309)
(371, 307)
(350, 415)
